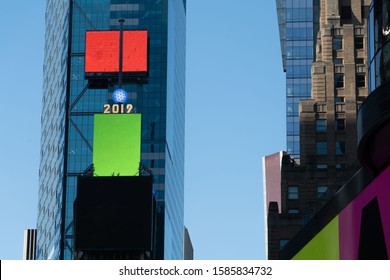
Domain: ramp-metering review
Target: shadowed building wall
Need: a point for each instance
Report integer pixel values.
(327, 120)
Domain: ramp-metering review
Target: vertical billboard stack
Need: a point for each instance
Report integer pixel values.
(113, 211)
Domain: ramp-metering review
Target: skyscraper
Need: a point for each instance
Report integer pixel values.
(354, 224)
(326, 119)
(70, 101)
(298, 26)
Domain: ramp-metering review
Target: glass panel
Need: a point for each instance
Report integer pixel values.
(293, 211)
(321, 125)
(359, 43)
(321, 148)
(337, 43)
(338, 80)
(293, 192)
(340, 147)
(322, 166)
(340, 124)
(322, 192)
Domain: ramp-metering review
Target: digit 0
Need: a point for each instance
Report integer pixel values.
(115, 109)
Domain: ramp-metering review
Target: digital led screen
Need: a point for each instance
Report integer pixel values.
(113, 213)
(117, 144)
(135, 51)
(102, 51)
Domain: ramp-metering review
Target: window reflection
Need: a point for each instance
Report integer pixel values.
(321, 148)
(379, 36)
(385, 18)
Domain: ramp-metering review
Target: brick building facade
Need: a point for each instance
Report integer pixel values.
(327, 122)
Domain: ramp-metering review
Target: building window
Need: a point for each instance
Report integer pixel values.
(339, 99)
(293, 211)
(337, 43)
(283, 242)
(338, 80)
(340, 166)
(359, 60)
(293, 192)
(321, 148)
(321, 125)
(340, 124)
(359, 43)
(360, 80)
(338, 61)
(322, 192)
(340, 147)
(322, 166)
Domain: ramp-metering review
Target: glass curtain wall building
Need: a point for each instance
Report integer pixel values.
(298, 24)
(70, 103)
(379, 47)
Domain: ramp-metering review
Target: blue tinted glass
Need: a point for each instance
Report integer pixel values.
(321, 148)
(321, 125)
(299, 56)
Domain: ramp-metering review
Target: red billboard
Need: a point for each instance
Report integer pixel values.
(135, 51)
(102, 51)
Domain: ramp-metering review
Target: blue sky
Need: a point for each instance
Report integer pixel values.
(235, 114)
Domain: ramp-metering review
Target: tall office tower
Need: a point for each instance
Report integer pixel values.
(76, 88)
(298, 26)
(327, 123)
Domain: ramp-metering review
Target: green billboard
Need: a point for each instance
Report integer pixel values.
(324, 246)
(117, 144)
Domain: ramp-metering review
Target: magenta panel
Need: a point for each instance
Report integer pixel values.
(350, 217)
(380, 148)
